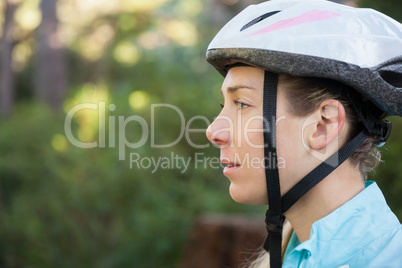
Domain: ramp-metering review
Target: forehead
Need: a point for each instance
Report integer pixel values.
(244, 76)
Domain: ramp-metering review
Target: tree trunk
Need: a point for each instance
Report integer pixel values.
(6, 72)
(50, 62)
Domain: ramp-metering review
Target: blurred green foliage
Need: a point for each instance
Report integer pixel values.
(389, 174)
(391, 8)
(63, 206)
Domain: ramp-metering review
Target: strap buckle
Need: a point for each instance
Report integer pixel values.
(274, 222)
(384, 130)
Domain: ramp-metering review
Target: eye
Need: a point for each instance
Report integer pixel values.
(240, 105)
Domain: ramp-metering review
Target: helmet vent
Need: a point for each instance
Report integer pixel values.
(392, 77)
(257, 20)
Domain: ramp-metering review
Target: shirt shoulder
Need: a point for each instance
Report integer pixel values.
(385, 251)
(370, 236)
(363, 232)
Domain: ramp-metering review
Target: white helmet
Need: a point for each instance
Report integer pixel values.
(361, 48)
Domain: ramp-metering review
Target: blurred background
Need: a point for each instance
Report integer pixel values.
(65, 206)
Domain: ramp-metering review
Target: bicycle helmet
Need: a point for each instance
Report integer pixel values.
(354, 51)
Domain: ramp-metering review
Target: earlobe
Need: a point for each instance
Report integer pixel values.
(331, 119)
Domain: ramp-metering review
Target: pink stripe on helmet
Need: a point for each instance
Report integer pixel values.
(312, 15)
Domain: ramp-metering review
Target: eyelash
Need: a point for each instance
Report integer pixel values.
(239, 104)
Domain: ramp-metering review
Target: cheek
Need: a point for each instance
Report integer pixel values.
(290, 139)
(250, 186)
(291, 153)
(253, 135)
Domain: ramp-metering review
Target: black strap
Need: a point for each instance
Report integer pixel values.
(322, 171)
(269, 124)
(274, 216)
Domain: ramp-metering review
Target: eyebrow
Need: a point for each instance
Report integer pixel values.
(234, 88)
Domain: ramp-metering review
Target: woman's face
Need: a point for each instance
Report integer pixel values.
(238, 132)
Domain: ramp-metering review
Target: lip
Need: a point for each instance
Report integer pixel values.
(230, 168)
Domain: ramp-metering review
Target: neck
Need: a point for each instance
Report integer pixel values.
(336, 189)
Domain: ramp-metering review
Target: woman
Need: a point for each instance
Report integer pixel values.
(307, 86)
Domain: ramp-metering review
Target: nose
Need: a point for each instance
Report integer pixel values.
(219, 131)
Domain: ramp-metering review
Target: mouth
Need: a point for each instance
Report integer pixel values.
(230, 167)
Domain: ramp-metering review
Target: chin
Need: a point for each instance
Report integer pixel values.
(245, 196)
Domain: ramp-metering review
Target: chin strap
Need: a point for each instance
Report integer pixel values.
(278, 205)
(322, 171)
(274, 217)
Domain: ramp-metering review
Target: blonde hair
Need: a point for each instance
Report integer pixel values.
(262, 258)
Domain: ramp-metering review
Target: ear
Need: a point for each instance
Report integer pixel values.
(331, 119)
